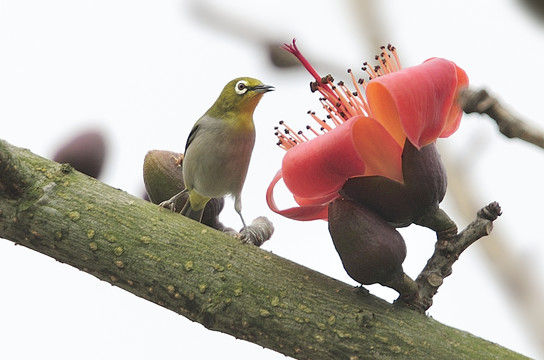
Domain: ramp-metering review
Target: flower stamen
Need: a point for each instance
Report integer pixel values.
(369, 70)
(330, 110)
(301, 133)
(289, 131)
(393, 51)
(343, 101)
(323, 123)
(339, 102)
(308, 127)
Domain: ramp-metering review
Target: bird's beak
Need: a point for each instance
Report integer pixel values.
(263, 88)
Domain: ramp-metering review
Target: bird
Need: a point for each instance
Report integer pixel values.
(219, 148)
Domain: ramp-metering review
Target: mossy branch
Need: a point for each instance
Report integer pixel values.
(208, 276)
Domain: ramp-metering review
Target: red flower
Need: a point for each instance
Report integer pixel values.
(366, 137)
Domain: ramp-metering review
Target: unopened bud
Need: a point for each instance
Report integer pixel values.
(400, 204)
(85, 152)
(371, 250)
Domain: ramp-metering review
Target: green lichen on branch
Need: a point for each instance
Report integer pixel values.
(208, 276)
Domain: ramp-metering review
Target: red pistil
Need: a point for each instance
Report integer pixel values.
(293, 49)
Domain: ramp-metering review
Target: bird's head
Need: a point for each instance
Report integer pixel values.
(239, 96)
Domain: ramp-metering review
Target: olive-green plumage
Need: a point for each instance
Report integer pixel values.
(219, 147)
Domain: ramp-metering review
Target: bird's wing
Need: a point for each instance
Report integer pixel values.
(192, 136)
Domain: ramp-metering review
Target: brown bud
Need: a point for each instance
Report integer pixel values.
(424, 187)
(86, 153)
(163, 178)
(371, 250)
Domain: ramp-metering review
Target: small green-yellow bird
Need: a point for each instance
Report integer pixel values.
(219, 147)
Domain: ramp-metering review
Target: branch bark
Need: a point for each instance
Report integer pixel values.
(448, 248)
(208, 276)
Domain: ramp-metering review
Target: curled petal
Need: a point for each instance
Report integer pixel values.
(456, 112)
(304, 212)
(418, 101)
(315, 201)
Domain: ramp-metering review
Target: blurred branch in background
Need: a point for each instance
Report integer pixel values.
(509, 125)
(522, 282)
(243, 29)
(534, 7)
(253, 33)
(369, 22)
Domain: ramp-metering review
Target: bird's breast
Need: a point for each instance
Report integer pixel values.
(217, 159)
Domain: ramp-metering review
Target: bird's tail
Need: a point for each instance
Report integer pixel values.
(194, 207)
(191, 213)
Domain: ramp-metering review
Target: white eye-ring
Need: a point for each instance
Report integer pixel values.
(241, 87)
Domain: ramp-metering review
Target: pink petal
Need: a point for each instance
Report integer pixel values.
(360, 146)
(302, 213)
(315, 171)
(418, 101)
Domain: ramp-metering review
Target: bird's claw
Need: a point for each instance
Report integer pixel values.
(168, 204)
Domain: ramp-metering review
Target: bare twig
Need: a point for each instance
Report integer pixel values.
(509, 125)
(448, 248)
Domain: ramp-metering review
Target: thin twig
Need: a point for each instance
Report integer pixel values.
(448, 248)
(479, 101)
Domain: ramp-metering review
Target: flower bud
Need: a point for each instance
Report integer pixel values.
(400, 204)
(371, 250)
(86, 153)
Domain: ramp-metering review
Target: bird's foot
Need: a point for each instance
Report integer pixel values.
(260, 230)
(170, 204)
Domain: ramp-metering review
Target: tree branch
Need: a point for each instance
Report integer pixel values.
(509, 125)
(448, 248)
(208, 276)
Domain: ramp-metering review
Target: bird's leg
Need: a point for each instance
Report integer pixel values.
(238, 208)
(242, 218)
(171, 203)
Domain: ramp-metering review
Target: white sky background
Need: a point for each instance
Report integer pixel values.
(144, 71)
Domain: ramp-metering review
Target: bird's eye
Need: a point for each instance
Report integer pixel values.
(241, 87)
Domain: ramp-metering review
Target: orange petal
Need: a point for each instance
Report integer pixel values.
(378, 149)
(416, 100)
